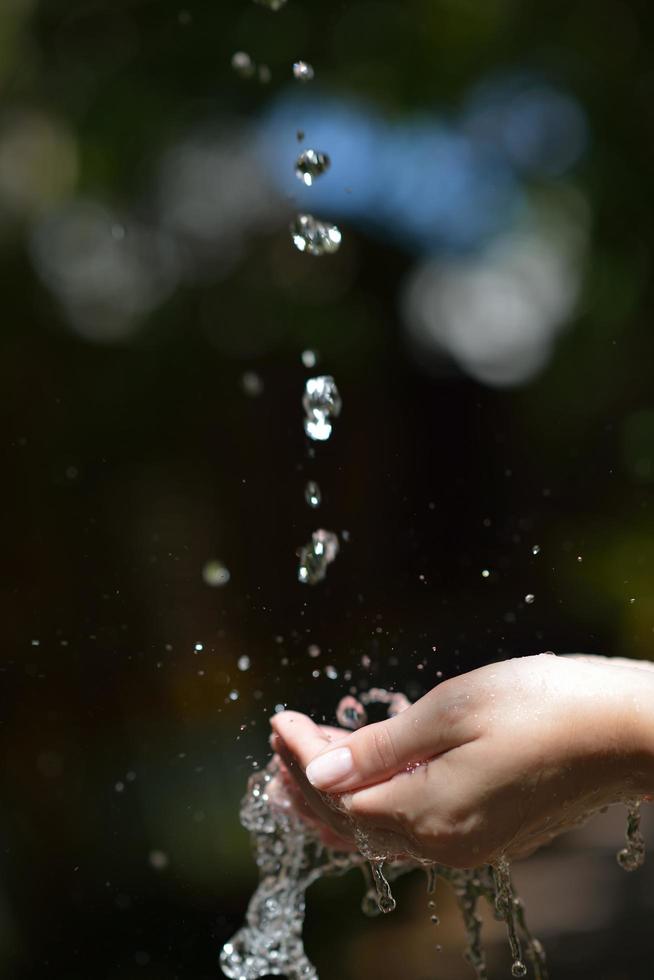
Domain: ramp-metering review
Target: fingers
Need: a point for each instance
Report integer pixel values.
(431, 726)
(321, 811)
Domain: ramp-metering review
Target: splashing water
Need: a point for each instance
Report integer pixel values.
(313, 494)
(632, 856)
(322, 403)
(311, 164)
(315, 237)
(290, 857)
(316, 556)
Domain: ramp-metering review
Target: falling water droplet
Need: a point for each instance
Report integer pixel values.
(385, 898)
(518, 969)
(315, 237)
(529, 598)
(309, 358)
(319, 429)
(215, 574)
(313, 650)
(252, 384)
(331, 672)
(535, 549)
(233, 695)
(311, 164)
(313, 494)
(321, 402)
(264, 74)
(316, 556)
(303, 71)
(243, 663)
(485, 573)
(243, 64)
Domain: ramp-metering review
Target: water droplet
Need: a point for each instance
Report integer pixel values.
(313, 494)
(158, 860)
(309, 358)
(198, 647)
(535, 549)
(243, 663)
(580, 558)
(321, 402)
(316, 556)
(311, 164)
(233, 695)
(529, 598)
(252, 384)
(331, 672)
(299, 135)
(264, 74)
(315, 237)
(313, 650)
(274, 5)
(485, 573)
(215, 574)
(518, 969)
(319, 430)
(303, 71)
(119, 787)
(632, 600)
(243, 64)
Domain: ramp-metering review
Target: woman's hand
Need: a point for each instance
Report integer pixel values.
(497, 761)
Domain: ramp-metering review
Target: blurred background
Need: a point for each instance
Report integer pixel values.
(488, 322)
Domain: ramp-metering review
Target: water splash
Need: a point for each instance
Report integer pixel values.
(632, 856)
(315, 237)
(316, 556)
(322, 403)
(291, 856)
(311, 164)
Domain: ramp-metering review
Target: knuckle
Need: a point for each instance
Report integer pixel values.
(385, 754)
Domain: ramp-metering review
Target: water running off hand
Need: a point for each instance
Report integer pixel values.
(291, 856)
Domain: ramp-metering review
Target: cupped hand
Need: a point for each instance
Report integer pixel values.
(494, 762)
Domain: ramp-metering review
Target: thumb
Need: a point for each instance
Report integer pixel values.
(376, 752)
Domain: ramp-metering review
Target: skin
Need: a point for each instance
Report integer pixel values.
(495, 762)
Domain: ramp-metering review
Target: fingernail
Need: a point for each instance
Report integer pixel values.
(330, 768)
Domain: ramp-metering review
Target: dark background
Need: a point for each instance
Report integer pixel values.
(134, 456)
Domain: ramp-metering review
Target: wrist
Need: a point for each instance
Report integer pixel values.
(637, 733)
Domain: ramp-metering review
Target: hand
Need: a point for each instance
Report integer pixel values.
(497, 761)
